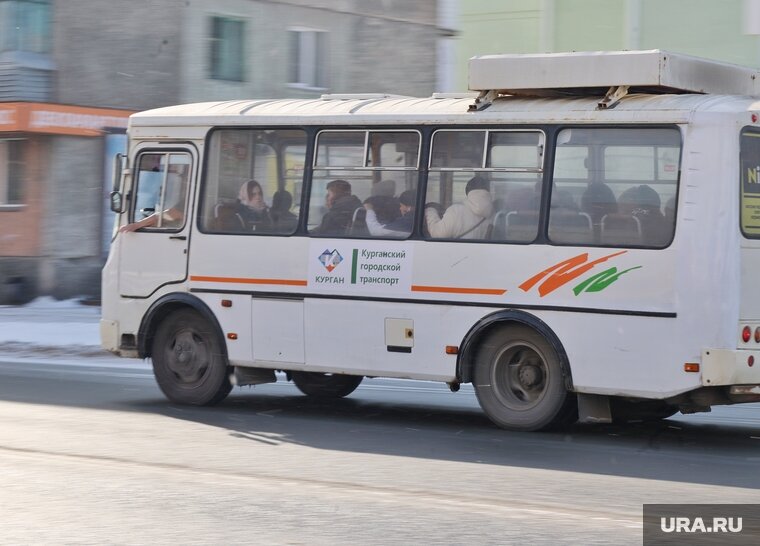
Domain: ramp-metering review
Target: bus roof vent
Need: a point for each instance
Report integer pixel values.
(360, 96)
(465, 95)
(606, 73)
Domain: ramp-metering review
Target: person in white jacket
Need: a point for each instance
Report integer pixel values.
(465, 220)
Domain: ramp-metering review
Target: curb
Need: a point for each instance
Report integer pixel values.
(17, 348)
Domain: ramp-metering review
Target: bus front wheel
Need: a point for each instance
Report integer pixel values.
(325, 385)
(188, 361)
(519, 382)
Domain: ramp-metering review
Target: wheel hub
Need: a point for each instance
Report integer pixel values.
(520, 376)
(187, 358)
(530, 375)
(181, 353)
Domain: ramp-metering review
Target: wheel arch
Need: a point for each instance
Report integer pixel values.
(163, 307)
(469, 347)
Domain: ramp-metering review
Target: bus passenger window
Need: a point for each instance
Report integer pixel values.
(253, 181)
(620, 178)
(484, 185)
(363, 182)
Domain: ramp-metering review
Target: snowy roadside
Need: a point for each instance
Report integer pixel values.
(50, 328)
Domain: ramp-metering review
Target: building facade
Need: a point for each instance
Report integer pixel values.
(71, 71)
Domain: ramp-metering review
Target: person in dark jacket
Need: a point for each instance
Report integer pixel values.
(285, 222)
(252, 208)
(341, 205)
(399, 227)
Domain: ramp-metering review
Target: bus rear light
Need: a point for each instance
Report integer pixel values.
(691, 367)
(750, 361)
(232, 335)
(746, 334)
(452, 350)
(757, 334)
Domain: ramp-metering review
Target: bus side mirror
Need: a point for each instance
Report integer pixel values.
(118, 167)
(116, 202)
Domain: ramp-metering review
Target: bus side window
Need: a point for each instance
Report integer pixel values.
(623, 176)
(161, 190)
(358, 181)
(252, 181)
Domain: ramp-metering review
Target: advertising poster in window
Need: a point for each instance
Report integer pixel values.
(750, 184)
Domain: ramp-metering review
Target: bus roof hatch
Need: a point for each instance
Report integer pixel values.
(610, 73)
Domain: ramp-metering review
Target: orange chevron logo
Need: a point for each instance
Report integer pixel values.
(564, 272)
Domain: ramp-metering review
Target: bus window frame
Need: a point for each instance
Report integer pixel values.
(488, 130)
(135, 185)
(364, 166)
(203, 179)
(545, 215)
(546, 137)
(422, 139)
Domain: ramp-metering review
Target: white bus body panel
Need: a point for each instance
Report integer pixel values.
(631, 339)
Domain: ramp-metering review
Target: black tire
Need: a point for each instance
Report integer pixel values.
(188, 361)
(325, 385)
(519, 381)
(625, 411)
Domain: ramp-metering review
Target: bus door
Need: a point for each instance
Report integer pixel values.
(156, 254)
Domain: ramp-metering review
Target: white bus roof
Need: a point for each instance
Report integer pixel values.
(652, 86)
(653, 70)
(641, 108)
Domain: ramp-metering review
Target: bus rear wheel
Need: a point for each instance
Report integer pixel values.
(325, 385)
(188, 361)
(519, 381)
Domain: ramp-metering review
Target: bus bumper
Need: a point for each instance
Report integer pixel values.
(109, 335)
(722, 367)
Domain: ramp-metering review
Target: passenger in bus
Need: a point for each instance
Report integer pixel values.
(597, 201)
(643, 202)
(383, 202)
(341, 205)
(465, 220)
(284, 221)
(562, 199)
(399, 227)
(252, 208)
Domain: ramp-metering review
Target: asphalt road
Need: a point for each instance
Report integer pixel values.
(91, 453)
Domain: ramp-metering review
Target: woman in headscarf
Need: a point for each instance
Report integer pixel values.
(252, 208)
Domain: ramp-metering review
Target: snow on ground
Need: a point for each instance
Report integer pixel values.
(49, 324)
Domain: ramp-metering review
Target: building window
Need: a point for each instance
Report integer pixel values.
(25, 25)
(11, 172)
(308, 53)
(227, 49)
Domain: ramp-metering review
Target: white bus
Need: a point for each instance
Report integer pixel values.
(580, 238)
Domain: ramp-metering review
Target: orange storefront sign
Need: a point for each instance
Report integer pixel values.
(59, 119)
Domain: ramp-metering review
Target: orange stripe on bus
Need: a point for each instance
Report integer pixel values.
(288, 282)
(455, 290)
